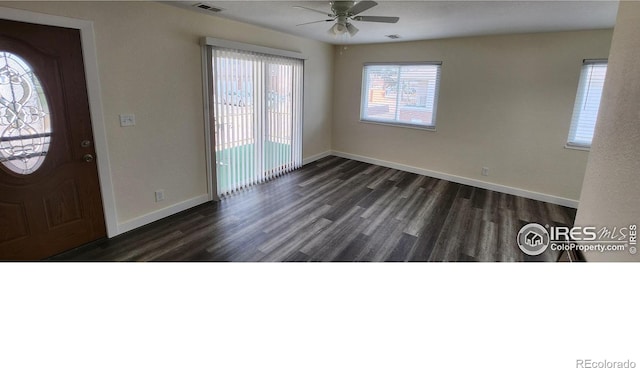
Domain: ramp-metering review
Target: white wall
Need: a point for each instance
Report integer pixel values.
(505, 102)
(611, 191)
(149, 61)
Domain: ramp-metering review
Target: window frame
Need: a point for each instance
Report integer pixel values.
(571, 144)
(365, 88)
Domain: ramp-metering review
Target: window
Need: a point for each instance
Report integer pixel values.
(400, 94)
(257, 109)
(585, 110)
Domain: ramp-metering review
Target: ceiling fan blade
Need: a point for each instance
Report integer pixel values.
(313, 10)
(317, 21)
(376, 19)
(361, 6)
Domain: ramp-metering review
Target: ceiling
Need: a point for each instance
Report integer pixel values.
(423, 20)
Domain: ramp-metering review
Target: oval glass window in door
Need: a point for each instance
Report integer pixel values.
(25, 126)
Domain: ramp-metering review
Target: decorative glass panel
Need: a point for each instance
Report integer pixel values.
(25, 126)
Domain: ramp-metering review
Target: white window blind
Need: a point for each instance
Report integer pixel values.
(587, 105)
(400, 94)
(257, 108)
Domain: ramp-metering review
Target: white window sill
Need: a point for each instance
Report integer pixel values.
(431, 128)
(579, 148)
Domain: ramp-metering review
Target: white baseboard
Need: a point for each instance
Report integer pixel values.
(185, 205)
(148, 218)
(316, 157)
(462, 180)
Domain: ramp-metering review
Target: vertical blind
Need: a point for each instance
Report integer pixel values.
(257, 107)
(587, 104)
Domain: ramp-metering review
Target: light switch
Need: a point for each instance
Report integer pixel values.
(127, 120)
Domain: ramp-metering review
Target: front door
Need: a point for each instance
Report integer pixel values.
(49, 189)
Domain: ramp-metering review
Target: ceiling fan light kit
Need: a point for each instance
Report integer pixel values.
(337, 29)
(351, 29)
(341, 29)
(344, 11)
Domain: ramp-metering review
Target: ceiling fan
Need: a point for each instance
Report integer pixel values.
(344, 11)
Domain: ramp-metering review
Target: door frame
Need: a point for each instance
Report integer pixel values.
(90, 57)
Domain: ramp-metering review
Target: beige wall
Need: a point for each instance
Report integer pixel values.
(505, 102)
(611, 191)
(149, 60)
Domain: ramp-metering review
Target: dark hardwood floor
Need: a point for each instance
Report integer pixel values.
(340, 210)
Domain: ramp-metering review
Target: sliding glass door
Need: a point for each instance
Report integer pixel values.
(257, 124)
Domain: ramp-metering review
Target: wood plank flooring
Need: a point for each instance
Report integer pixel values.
(340, 210)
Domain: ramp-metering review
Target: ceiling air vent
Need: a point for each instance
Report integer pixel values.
(393, 36)
(206, 7)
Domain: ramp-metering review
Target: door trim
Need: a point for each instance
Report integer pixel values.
(95, 100)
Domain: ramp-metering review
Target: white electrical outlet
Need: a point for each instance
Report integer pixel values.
(159, 195)
(127, 120)
(485, 171)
